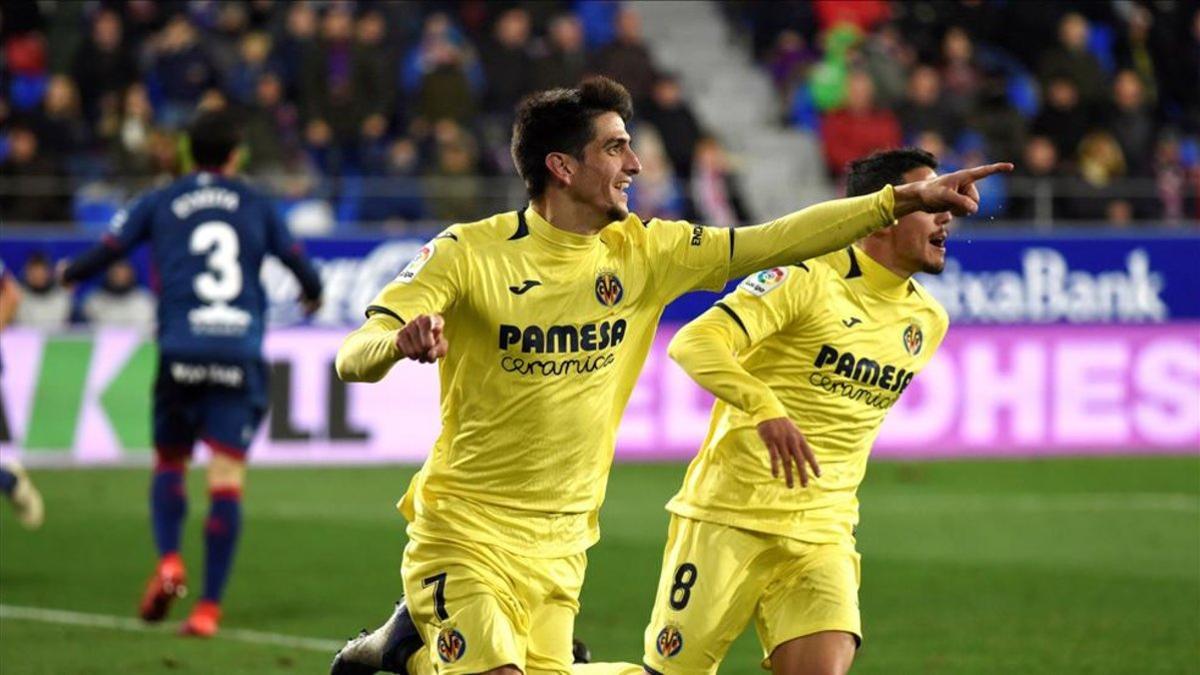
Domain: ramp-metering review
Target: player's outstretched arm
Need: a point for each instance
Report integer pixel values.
(368, 353)
(835, 224)
(706, 349)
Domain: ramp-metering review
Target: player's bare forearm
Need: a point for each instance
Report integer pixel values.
(706, 348)
(10, 299)
(816, 230)
(367, 354)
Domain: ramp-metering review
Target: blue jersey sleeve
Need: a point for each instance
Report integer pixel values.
(281, 244)
(129, 227)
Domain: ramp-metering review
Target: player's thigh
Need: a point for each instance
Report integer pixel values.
(177, 413)
(464, 607)
(814, 591)
(232, 415)
(824, 653)
(707, 591)
(555, 584)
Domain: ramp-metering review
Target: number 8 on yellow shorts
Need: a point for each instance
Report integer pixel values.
(716, 578)
(480, 607)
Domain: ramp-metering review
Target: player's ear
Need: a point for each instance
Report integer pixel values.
(561, 166)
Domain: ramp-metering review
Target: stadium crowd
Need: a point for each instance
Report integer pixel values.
(1097, 102)
(400, 112)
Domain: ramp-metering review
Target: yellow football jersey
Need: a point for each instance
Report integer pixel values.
(547, 332)
(831, 344)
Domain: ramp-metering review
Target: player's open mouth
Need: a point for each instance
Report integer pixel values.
(623, 187)
(939, 241)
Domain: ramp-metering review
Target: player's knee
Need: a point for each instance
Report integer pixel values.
(225, 471)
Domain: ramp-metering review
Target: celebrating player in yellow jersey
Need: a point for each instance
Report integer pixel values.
(805, 360)
(541, 320)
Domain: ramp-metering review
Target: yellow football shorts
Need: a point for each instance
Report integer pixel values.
(715, 578)
(481, 607)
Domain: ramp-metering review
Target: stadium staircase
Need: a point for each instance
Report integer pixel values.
(781, 168)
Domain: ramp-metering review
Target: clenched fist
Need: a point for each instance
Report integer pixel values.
(422, 339)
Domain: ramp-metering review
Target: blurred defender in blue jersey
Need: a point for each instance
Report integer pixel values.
(208, 234)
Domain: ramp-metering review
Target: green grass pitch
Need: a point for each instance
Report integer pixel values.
(1047, 566)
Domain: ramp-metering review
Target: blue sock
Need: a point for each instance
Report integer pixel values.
(220, 539)
(8, 481)
(168, 505)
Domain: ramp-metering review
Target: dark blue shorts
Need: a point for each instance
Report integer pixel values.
(222, 404)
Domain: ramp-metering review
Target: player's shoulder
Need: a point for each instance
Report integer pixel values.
(495, 229)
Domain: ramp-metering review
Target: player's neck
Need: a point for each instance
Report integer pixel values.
(883, 254)
(568, 215)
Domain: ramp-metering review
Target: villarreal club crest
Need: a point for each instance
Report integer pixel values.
(609, 290)
(669, 642)
(914, 339)
(451, 645)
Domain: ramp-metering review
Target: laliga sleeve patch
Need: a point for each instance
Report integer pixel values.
(417, 263)
(761, 283)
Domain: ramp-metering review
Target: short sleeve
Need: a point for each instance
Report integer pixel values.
(687, 257)
(131, 225)
(429, 284)
(767, 301)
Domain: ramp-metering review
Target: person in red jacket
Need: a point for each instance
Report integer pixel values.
(859, 128)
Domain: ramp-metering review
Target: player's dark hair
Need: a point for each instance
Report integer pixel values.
(887, 167)
(213, 136)
(560, 120)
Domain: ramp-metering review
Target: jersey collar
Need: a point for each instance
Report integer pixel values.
(555, 237)
(879, 278)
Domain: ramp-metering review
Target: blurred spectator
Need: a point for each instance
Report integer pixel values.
(1062, 118)
(858, 129)
(454, 186)
(181, 70)
(563, 62)
(960, 77)
(655, 193)
(1071, 60)
(673, 119)
(128, 134)
(272, 129)
(120, 301)
(402, 199)
(923, 110)
(627, 59)
(1098, 167)
(1132, 123)
(31, 186)
(440, 72)
(789, 60)
(863, 14)
(715, 195)
(346, 88)
(294, 44)
(254, 60)
(1171, 182)
(44, 304)
(60, 124)
(1002, 126)
(1037, 183)
(507, 63)
(887, 58)
(103, 65)
(224, 35)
